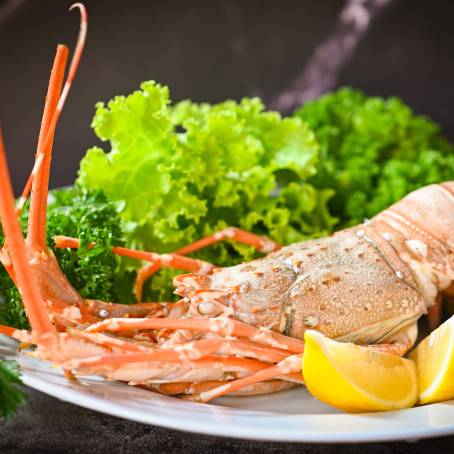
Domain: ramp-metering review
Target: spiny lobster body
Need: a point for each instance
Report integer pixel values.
(362, 284)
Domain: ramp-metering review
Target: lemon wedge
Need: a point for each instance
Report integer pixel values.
(355, 378)
(434, 358)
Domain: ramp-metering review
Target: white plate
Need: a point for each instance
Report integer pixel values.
(287, 416)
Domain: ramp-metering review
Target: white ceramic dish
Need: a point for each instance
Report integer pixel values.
(287, 416)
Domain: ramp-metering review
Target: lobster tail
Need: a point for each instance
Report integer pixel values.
(424, 220)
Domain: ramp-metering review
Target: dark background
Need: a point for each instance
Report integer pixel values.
(206, 50)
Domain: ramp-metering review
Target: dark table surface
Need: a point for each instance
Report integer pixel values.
(46, 424)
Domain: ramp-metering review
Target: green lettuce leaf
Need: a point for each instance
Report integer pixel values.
(180, 172)
(373, 151)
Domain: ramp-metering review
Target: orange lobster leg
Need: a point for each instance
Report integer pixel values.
(164, 260)
(396, 349)
(143, 274)
(172, 389)
(250, 349)
(288, 365)
(110, 342)
(164, 357)
(261, 243)
(26, 280)
(220, 326)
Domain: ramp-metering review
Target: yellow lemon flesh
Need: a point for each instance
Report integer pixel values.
(434, 358)
(355, 378)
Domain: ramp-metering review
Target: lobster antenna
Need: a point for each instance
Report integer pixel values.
(61, 102)
(24, 277)
(76, 57)
(38, 203)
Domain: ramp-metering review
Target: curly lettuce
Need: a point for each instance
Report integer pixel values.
(94, 272)
(178, 172)
(89, 216)
(373, 151)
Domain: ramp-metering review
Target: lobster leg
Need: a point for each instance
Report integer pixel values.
(164, 358)
(399, 343)
(176, 261)
(110, 342)
(396, 349)
(221, 326)
(92, 311)
(172, 389)
(288, 365)
(261, 243)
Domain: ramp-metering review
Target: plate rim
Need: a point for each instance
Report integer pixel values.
(100, 404)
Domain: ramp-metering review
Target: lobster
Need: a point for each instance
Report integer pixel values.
(238, 329)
